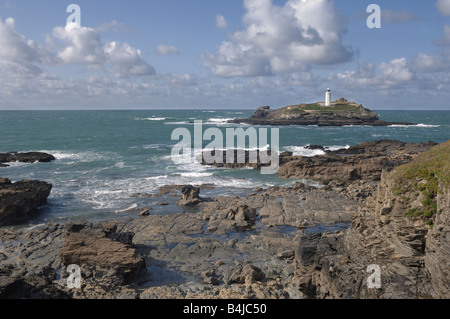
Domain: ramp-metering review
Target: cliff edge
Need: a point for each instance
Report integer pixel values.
(404, 229)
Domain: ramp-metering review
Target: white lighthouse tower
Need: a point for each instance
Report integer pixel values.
(328, 98)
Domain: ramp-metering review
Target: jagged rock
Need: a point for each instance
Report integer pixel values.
(299, 115)
(413, 258)
(365, 161)
(20, 201)
(88, 245)
(30, 157)
(247, 274)
(191, 196)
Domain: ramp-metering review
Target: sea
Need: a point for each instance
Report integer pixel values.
(104, 159)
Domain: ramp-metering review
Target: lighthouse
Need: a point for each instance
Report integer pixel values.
(328, 98)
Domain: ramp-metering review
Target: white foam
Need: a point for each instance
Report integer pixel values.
(196, 174)
(418, 125)
(304, 151)
(151, 119)
(337, 147)
(218, 121)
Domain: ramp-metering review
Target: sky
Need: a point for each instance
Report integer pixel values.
(223, 54)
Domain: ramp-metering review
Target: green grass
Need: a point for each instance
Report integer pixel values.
(338, 107)
(427, 174)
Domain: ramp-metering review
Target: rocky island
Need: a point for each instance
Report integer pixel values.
(339, 113)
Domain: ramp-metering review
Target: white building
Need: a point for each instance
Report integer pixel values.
(328, 98)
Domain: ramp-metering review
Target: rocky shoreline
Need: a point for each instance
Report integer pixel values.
(319, 116)
(296, 242)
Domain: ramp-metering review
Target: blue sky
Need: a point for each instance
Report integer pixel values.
(223, 54)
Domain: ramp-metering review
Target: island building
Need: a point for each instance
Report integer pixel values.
(328, 98)
(327, 102)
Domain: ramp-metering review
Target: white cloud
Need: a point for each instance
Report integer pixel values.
(443, 6)
(221, 22)
(387, 75)
(126, 60)
(282, 39)
(427, 63)
(445, 40)
(18, 56)
(164, 49)
(81, 45)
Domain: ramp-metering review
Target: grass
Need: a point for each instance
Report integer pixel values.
(426, 175)
(337, 107)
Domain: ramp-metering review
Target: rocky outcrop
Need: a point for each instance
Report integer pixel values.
(191, 196)
(34, 263)
(365, 161)
(30, 157)
(316, 115)
(98, 248)
(20, 201)
(411, 256)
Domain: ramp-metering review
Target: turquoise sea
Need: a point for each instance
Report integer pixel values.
(105, 157)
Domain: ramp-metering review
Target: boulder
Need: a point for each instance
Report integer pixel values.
(88, 246)
(21, 201)
(247, 274)
(30, 157)
(191, 196)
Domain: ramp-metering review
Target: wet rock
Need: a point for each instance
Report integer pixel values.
(191, 196)
(30, 157)
(21, 201)
(88, 245)
(365, 161)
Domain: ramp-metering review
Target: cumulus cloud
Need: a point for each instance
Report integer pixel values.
(164, 49)
(282, 39)
(126, 60)
(19, 57)
(221, 22)
(84, 46)
(81, 45)
(444, 7)
(395, 73)
(429, 63)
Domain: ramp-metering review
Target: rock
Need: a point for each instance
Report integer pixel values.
(315, 147)
(287, 254)
(87, 245)
(413, 258)
(209, 278)
(30, 157)
(301, 115)
(249, 273)
(21, 201)
(144, 212)
(365, 162)
(191, 196)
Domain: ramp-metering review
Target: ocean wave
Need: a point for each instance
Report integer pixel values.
(306, 152)
(418, 125)
(179, 123)
(219, 121)
(78, 157)
(151, 119)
